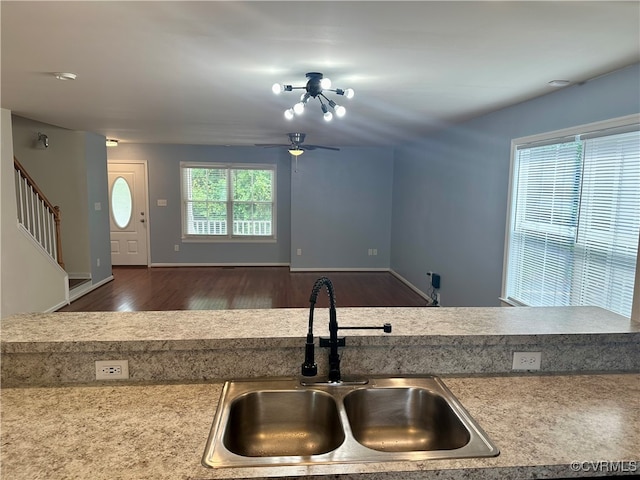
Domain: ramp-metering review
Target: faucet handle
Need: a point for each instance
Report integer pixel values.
(386, 328)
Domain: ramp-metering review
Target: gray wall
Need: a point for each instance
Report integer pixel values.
(98, 219)
(335, 207)
(31, 280)
(341, 208)
(60, 172)
(450, 190)
(72, 173)
(165, 222)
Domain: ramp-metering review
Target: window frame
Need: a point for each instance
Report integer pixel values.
(614, 126)
(229, 237)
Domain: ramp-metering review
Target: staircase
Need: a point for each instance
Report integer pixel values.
(37, 215)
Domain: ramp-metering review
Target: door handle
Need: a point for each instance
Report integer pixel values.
(142, 220)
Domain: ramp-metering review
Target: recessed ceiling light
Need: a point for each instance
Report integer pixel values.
(65, 75)
(559, 83)
(112, 142)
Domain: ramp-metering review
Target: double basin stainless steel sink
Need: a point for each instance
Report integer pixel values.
(282, 422)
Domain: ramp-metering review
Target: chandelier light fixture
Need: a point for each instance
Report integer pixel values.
(316, 85)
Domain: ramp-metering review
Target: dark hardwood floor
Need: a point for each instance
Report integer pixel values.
(216, 288)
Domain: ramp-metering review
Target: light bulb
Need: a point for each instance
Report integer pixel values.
(340, 110)
(325, 83)
(349, 93)
(288, 114)
(328, 116)
(277, 88)
(298, 108)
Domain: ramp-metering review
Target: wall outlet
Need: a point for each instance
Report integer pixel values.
(370, 252)
(176, 248)
(97, 262)
(375, 251)
(526, 360)
(299, 252)
(112, 369)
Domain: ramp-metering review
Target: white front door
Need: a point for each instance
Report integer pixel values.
(128, 213)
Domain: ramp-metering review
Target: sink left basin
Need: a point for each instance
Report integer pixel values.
(283, 423)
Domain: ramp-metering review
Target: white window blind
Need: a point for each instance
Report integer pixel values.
(607, 242)
(573, 236)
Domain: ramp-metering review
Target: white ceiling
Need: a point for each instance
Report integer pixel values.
(201, 72)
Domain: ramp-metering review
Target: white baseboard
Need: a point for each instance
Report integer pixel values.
(304, 269)
(57, 307)
(79, 275)
(86, 288)
(219, 265)
(410, 285)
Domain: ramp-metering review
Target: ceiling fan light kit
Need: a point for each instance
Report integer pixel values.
(296, 151)
(316, 85)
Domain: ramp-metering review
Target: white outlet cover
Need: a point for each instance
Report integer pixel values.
(112, 369)
(526, 360)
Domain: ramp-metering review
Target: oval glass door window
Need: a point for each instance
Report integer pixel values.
(121, 202)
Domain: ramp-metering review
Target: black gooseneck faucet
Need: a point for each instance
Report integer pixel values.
(309, 367)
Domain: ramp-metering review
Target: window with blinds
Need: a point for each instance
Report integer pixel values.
(226, 202)
(575, 220)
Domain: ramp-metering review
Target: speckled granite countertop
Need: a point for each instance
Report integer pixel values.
(540, 423)
(197, 329)
(156, 427)
(184, 346)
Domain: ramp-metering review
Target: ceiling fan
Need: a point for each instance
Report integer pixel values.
(296, 147)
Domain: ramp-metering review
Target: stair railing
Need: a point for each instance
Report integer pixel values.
(36, 213)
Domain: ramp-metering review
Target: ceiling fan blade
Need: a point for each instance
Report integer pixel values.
(270, 145)
(313, 147)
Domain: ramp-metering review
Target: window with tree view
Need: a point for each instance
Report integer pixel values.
(224, 202)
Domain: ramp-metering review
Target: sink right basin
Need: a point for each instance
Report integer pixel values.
(404, 420)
